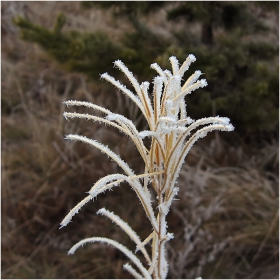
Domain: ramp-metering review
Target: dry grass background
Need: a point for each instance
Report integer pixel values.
(225, 221)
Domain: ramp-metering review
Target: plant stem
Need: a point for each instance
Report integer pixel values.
(161, 236)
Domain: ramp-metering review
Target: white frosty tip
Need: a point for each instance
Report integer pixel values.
(192, 57)
(224, 120)
(203, 83)
(230, 127)
(145, 85)
(65, 116)
(118, 61)
(103, 75)
(158, 79)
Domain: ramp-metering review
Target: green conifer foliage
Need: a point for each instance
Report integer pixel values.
(243, 75)
(126, 8)
(242, 71)
(75, 51)
(141, 46)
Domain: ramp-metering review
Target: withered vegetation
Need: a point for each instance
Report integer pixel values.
(225, 223)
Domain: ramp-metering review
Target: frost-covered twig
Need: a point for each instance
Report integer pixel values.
(172, 136)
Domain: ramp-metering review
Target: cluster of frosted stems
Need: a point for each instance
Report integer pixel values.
(172, 134)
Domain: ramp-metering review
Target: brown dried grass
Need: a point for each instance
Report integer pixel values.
(225, 223)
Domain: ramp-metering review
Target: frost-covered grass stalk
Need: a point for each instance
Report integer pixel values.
(172, 135)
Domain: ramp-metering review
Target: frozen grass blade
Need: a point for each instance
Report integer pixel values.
(103, 149)
(115, 244)
(132, 271)
(127, 229)
(74, 211)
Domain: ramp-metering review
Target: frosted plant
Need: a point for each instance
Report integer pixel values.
(172, 135)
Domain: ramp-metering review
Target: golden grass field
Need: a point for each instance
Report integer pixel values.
(226, 221)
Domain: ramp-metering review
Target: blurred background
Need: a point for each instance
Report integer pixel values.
(226, 221)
